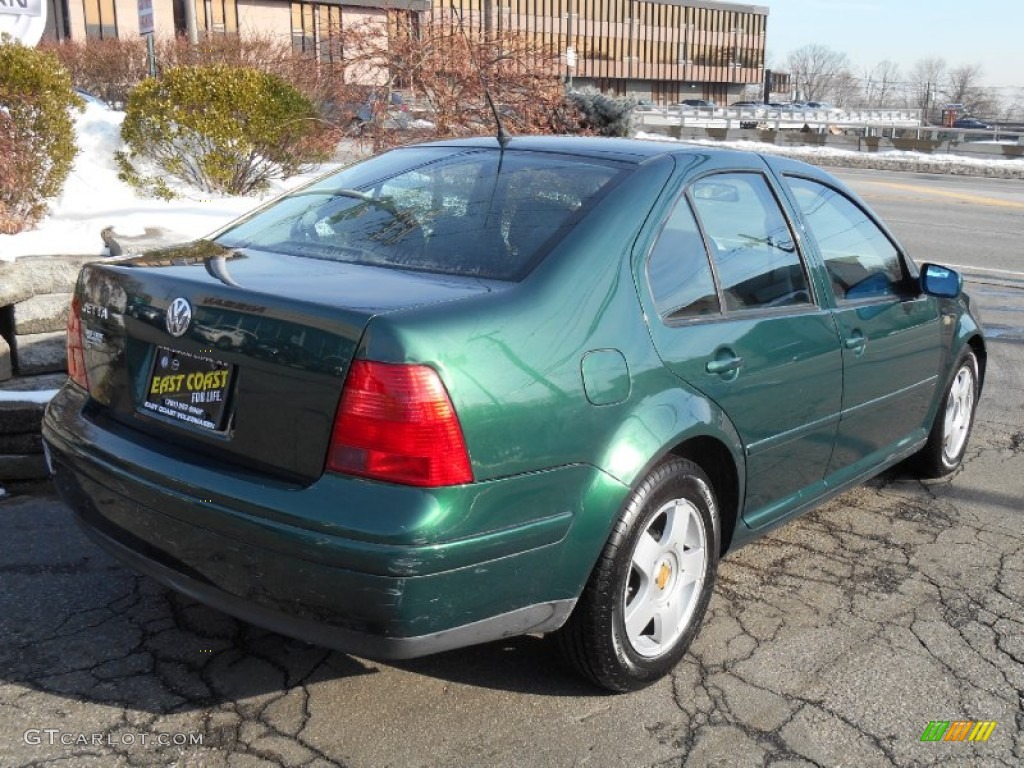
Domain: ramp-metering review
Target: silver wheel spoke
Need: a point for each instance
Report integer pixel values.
(676, 525)
(646, 554)
(638, 615)
(691, 565)
(667, 621)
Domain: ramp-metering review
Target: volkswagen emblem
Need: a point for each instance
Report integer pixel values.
(179, 315)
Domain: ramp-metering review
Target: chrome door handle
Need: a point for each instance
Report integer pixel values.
(724, 366)
(856, 342)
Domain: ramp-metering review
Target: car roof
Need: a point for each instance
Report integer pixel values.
(623, 150)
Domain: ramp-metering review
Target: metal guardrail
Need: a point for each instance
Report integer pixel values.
(773, 118)
(884, 123)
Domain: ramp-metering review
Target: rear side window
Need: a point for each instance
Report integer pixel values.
(482, 213)
(752, 247)
(862, 262)
(678, 270)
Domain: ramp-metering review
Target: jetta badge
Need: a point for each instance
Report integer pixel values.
(179, 315)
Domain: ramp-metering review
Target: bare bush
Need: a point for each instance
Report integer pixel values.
(446, 71)
(106, 68)
(111, 68)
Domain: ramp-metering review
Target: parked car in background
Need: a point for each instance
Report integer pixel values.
(387, 107)
(698, 104)
(90, 98)
(748, 104)
(972, 123)
(492, 388)
(646, 105)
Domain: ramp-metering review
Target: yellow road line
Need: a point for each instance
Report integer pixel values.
(962, 196)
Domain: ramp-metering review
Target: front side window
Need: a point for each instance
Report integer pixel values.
(480, 213)
(861, 260)
(752, 247)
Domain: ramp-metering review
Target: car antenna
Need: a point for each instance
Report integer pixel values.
(502, 136)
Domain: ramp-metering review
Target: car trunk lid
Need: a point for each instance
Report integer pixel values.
(240, 355)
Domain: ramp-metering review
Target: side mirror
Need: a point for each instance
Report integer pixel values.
(941, 281)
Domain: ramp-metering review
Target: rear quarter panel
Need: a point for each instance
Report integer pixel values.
(513, 361)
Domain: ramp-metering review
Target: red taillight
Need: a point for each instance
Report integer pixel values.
(76, 349)
(396, 423)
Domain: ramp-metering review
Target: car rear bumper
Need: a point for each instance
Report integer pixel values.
(363, 567)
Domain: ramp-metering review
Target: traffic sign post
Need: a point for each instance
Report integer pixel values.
(147, 28)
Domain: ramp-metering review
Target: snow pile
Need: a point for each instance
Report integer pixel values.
(890, 160)
(94, 198)
(27, 395)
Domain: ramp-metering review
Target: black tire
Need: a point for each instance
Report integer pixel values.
(595, 639)
(951, 430)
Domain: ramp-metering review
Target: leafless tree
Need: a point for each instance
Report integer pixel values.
(924, 82)
(882, 84)
(963, 80)
(814, 69)
(1012, 107)
(845, 90)
(964, 87)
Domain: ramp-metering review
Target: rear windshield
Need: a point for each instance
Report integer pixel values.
(483, 213)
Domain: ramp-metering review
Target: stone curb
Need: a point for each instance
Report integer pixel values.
(31, 276)
(21, 444)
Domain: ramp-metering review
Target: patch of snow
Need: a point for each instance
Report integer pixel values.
(94, 198)
(27, 395)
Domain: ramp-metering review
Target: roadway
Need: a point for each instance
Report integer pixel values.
(967, 221)
(833, 641)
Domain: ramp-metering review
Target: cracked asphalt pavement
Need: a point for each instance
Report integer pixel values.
(833, 641)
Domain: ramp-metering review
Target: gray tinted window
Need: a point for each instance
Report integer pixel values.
(678, 270)
(462, 212)
(862, 262)
(751, 244)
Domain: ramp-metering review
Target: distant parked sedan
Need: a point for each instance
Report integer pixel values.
(971, 122)
(698, 104)
(646, 105)
(492, 388)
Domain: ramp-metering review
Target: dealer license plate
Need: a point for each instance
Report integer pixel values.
(188, 388)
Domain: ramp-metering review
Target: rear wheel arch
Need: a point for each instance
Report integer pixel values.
(977, 345)
(717, 461)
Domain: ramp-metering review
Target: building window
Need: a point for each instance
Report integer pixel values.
(219, 17)
(100, 19)
(316, 30)
(213, 17)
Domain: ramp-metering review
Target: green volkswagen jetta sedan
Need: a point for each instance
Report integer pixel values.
(473, 389)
